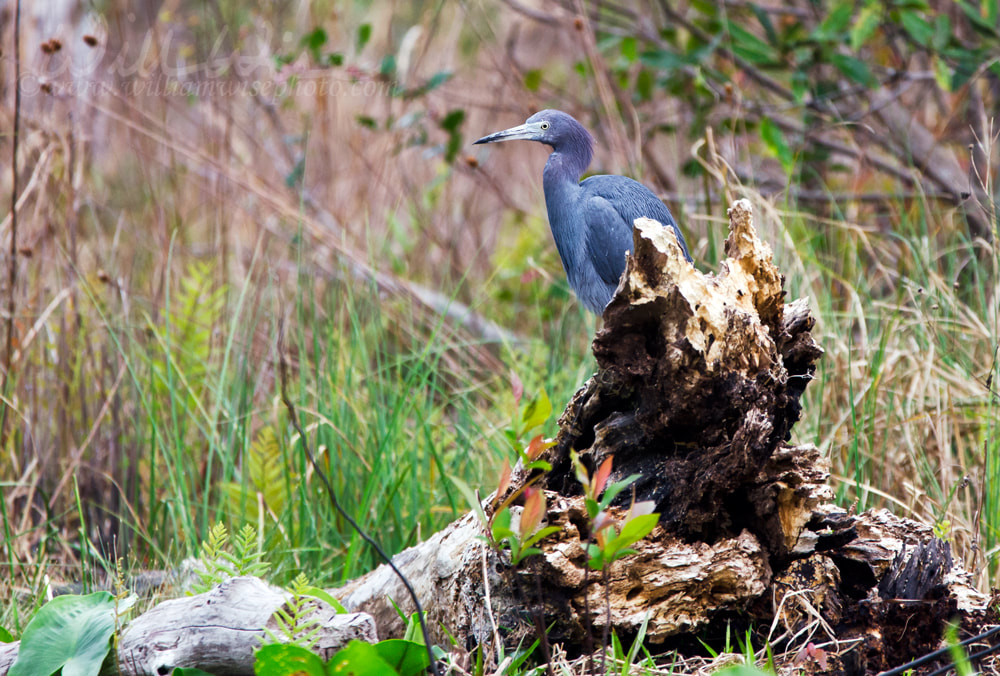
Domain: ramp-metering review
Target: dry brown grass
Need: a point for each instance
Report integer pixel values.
(126, 183)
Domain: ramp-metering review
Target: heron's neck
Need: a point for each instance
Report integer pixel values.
(562, 175)
(561, 184)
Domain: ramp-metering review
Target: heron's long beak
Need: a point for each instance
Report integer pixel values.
(524, 131)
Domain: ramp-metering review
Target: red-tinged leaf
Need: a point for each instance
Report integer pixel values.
(820, 657)
(535, 447)
(602, 475)
(517, 387)
(534, 510)
(504, 479)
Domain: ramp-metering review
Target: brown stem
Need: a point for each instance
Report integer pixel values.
(12, 267)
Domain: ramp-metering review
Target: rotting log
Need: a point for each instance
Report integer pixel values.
(698, 386)
(218, 631)
(699, 383)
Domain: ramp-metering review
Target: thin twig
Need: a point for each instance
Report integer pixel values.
(12, 263)
(607, 620)
(293, 416)
(489, 603)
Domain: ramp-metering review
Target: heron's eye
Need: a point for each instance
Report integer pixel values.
(544, 126)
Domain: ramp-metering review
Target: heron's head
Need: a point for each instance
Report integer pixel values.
(551, 127)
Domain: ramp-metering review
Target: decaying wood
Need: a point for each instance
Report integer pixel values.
(699, 383)
(698, 386)
(693, 390)
(219, 630)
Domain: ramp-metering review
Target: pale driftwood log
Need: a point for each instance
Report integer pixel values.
(8, 653)
(219, 630)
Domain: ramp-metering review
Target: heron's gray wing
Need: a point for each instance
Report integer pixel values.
(608, 237)
(632, 200)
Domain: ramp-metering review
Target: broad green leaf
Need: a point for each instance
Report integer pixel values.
(406, 657)
(451, 124)
(522, 554)
(71, 633)
(539, 465)
(285, 659)
(750, 47)
(388, 65)
(765, 22)
(596, 560)
(835, 23)
(536, 412)
(965, 64)
(865, 25)
(661, 59)
(501, 525)
(364, 34)
(358, 659)
(638, 527)
(917, 26)
(644, 83)
(942, 32)
(855, 69)
(988, 25)
(774, 139)
(5, 636)
(630, 49)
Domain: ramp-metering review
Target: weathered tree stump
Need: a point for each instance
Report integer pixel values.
(699, 383)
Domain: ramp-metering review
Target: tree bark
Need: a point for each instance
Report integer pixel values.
(699, 383)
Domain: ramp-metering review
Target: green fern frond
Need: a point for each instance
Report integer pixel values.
(248, 557)
(270, 473)
(213, 547)
(215, 562)
(295, 619)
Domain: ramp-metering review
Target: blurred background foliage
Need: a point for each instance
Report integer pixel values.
(195, 176)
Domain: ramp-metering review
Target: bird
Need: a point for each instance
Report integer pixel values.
(591, 221)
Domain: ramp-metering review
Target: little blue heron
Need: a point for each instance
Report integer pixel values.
(591, 221)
